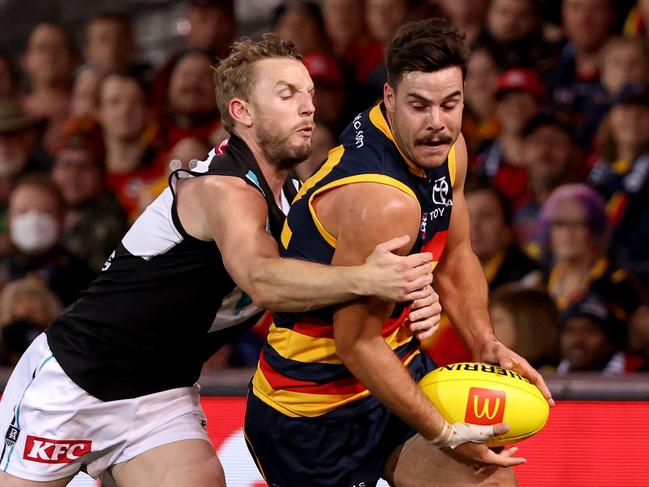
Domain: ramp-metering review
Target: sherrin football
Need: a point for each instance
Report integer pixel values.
(487, 394)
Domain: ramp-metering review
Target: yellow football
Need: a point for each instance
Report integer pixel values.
(487, 394)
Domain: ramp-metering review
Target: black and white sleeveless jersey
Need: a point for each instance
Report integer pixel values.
(163, 302)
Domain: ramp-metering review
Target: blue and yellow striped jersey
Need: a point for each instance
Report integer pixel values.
(299, 372)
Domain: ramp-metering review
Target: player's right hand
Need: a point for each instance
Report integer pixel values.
(466, 445)
(391, 277)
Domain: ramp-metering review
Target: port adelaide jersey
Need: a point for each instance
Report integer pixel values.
(163, 302)
(299, 373)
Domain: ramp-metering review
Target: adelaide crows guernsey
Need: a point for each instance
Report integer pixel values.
(163, 302)
(299, 373)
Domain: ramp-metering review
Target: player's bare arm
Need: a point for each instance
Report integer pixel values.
(238, 226)
(459, 280)
(359, 216)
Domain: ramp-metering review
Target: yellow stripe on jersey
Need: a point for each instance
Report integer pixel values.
(297, 404)
(379, 121)
(451, 164)
(292, 345)
(333, 158)
(360, 178)
(295, 346)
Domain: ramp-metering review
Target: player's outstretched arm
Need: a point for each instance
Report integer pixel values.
(234, 215)
(462, 287)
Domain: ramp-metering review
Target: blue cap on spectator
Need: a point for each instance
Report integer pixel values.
(632, 94)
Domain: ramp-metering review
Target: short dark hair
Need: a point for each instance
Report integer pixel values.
(425, 45)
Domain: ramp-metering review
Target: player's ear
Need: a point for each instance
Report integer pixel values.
(238, 109)
(388, 97)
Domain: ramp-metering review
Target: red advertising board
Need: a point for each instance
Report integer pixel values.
(594, 444)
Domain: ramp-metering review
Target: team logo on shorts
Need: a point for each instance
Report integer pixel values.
(12, 435)
(44, 450)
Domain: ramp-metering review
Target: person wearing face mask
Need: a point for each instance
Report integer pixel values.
(35, 226)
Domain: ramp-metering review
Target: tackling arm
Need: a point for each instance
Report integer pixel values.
(230, 212)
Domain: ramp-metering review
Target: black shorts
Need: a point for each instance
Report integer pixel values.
(325, 451)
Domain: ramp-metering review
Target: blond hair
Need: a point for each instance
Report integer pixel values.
(234, 76)
(46, 303)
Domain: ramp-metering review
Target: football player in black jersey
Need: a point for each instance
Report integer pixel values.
(110, 385)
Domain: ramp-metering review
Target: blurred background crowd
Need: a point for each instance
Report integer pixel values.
(556, 120)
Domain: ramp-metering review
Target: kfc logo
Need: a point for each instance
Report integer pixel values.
(485, 406)
(44, 450)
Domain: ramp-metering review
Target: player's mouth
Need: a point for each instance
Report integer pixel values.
(306, 130)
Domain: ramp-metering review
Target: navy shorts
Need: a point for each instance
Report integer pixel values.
(325, 451)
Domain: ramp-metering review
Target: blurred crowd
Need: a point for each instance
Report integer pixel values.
(556, 120)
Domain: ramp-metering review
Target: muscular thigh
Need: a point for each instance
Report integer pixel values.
(417, 463)
(186, 463)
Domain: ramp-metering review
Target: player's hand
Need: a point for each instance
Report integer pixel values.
(425, 314)
(497, 353)
(391, 277)
(466, 444)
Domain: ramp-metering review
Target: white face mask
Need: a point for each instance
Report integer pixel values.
(34, 232)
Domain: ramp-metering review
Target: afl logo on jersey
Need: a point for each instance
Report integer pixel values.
(440, 192)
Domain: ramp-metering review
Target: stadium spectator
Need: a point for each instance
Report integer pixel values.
(130, 152)
(514, 35)
(110, 44)
(49, 62)
(480, 125)
(520, 93)
(468, 16)
(35, 228)
(574, 79)
(575, 231)
(94, 221)
(361, 54)
(527, 321)
(492, 238)
(621, 174)
(384, 17)
(592, 338)
(190, 108)
(212, 25)
(28, 299)
(85, 91)
(301, 22)
(27, 307)
(551, 158)
(623, 61)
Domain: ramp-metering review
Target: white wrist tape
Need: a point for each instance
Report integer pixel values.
(462, 433)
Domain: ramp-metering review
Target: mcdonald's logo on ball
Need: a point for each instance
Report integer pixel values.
(486, 394)
(485, 406)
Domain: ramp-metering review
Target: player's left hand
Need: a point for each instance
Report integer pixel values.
(495, 352)
(425, 314)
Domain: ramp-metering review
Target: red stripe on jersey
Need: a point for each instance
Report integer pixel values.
(348, 385)
(436, 244)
